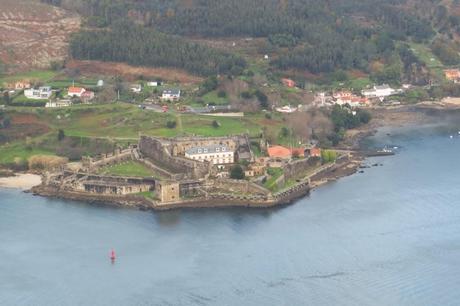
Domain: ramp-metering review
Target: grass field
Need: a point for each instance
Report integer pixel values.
(425, 55)
(39, 75)
(129, 168)
(10, 152)
(275, 173)
(213, 98)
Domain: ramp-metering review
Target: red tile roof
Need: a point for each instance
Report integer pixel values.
(279, 152)
(76, 89)
(315, 152)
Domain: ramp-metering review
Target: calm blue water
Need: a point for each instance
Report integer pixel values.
(390, 236)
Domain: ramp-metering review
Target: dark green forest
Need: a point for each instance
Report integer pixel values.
(137, 45)
(316, 35)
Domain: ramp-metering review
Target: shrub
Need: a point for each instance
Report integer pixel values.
(237, 172)
(171, 124)
(44, 162)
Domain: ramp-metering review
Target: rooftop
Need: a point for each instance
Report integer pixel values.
(207, 150)
(171, 92)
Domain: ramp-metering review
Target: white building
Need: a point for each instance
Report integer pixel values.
(75, 91)
(136, 88)
(380, 92)
(59, 103)
(153, 84)
(216, 154)
(171, 95)
(43, 92)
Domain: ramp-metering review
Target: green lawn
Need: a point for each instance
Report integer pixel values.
(129, 168)
(212, 97)
(23, 99)
(424, 54)
(275, 174)
(8, 153)
(40, 75)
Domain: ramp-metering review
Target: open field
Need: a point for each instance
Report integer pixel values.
(34, 75)
(33, 131)
(129, 168)
(133, 73)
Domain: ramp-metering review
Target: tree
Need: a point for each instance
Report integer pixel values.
(237, 172)
(328, 156)
(6, 98)
(215, 124)
(61, 135)
(171, 124)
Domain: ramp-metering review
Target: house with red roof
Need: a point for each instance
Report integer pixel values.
(315, 152)
(75, 91)
(281, 152)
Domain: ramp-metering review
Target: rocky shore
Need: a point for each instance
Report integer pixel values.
(382, 117)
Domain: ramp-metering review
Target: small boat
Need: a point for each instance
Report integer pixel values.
(451, 136)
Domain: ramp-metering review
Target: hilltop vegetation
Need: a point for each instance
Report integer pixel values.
(144, 46)
(319, 36)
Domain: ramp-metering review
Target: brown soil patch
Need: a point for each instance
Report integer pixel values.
(131, 72)
(33, 34)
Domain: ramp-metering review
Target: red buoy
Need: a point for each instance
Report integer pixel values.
(112, 255)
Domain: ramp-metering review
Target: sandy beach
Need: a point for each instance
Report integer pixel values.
(22, 181)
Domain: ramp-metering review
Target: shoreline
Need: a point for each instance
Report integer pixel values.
(22, 181)
(384, 117)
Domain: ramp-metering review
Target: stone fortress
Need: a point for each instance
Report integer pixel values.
(179, 177)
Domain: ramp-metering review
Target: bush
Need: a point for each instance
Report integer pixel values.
(215, 124)
(44, 162)
(237, 172)
(171, 124)
(328, 156)
(222, 94)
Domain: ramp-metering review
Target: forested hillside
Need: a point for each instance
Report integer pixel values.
(321, 36)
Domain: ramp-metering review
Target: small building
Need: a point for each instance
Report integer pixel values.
(153, 84)
(43, 92)
(381, 92)
(171, 95)
(298, 152)
(288, 82)
(59, 103)
(315, 152)
(279, 152)
(87, 96)
(452, 75)
(168, 191)
(286, 109)
(136, 88)
(100, 83)
(75, 91)
(215, 154)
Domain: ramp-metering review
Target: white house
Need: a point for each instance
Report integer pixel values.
(171, 95)
(153, 84)
(75, 91)
(286, 109)
(59, 103)
(136, 88)
(216, 154)
(43, 92)
(381, 92)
